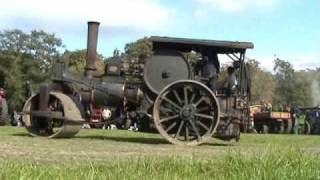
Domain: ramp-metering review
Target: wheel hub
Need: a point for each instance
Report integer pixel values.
(187, 112)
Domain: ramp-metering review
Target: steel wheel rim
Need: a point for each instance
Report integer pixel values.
(192, 115)
(55, 127)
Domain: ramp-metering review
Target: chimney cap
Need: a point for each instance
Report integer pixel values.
(93, 22)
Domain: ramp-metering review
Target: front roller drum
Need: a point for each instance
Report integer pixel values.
(52, 115)
(186, 112)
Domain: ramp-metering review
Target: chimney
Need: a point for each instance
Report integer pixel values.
(93, 28)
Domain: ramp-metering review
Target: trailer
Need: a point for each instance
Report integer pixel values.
(273, 122)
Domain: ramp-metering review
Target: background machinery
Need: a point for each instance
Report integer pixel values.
(307, 120)
(313, 117)
(273, 122)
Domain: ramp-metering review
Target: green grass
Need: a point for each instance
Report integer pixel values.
(98, 154)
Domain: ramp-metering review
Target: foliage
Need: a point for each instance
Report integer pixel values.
(140, 49)
(285, 85)
(14, 41)
(76, 61)
(262, 83)
(299, 88)
(25, 57)
(15, 71)
(43, 46)
(192, 57)
(284, 77)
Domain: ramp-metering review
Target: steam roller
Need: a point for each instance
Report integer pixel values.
(182, 99)
(52, 115)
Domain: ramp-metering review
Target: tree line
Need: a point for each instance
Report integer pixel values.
(285, 85)
(30, 57)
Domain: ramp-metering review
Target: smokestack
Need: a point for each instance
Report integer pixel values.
(93, 28)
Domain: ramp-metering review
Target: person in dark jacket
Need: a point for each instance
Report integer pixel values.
(211, 69)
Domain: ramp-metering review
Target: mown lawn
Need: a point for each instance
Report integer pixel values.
(102, 154)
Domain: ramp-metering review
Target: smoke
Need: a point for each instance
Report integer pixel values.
(307, 84)
(315, 92)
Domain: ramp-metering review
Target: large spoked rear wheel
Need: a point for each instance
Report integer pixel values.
(186, 112)
(53, 115)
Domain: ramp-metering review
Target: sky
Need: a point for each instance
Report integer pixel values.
(285, 29)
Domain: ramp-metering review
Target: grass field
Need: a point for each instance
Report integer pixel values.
(101, 154)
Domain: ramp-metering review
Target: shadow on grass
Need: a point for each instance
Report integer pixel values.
(142, 140)
(20, 134)
(219, 144)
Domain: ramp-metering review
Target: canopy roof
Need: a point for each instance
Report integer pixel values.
(200, 45)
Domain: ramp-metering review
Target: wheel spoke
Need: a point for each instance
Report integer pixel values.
(202, 125)
(185, 92)
(199, 101)
(166, 110)
(179, 129)
(202, 109)
(172, 103)
(171, 126)
(169, 118)
(177, 96)
(203, 116)
(195, 130)
(192, 98)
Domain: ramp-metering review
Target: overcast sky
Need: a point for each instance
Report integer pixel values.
(288, 29)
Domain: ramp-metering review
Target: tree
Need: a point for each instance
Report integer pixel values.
(15, 71)
(284, 77)
(291, 87)
(76, 61)
(140, 49)
(25, 57)
(14, 41)
(44, 47)
(262, 83)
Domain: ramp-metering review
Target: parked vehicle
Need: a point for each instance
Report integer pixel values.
(273, 122)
